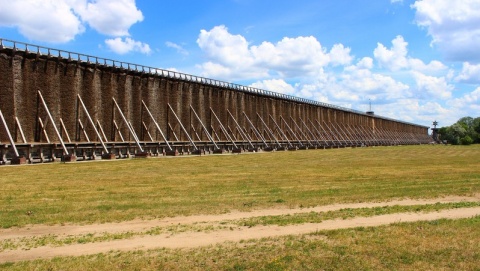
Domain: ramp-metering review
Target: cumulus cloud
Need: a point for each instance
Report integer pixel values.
(301, 66)
(393, 58)
(109, 17)
(276, 85)
(470, 100)
(289, 57)
(362, 83)
(453, 25)
(123, 46)
(339, 55)
(62, 20)
(434, 87)
(396, 58)
(53, 21)
(469, 74)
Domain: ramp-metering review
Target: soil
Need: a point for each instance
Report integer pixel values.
(194, 239)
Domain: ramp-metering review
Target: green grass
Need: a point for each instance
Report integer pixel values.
(107, 191)
(434, 245)
(84, 192)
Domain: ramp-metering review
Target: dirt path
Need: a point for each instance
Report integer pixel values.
(142, 225)
(196, 239)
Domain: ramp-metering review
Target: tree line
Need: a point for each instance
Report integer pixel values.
(465, 131)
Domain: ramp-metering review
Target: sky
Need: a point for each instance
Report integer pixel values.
(415, 61)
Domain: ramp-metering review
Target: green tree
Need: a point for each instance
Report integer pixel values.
(465, 131)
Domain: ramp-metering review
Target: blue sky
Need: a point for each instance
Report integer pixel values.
(416, 61)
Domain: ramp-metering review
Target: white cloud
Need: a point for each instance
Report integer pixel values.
(418, 92)
(435, 87)
(432, 67)
(453, 25)
(221, 46)
(276, 85)
(177, 47)
(109, 17)
(52, 21)
(470, 100)
(469, 74)
(395, 58)
(63, 20)
(123, 46)
(339, 55)
(289, 58)
(361, 82)
(365, 63)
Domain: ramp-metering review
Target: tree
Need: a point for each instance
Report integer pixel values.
(465, 131)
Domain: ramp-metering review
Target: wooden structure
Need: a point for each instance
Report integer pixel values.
(62, 105)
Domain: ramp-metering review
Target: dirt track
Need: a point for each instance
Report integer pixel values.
(191, 239)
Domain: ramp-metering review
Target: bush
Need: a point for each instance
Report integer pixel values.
(466, 140)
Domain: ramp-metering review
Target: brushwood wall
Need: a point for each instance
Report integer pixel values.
(60, 80)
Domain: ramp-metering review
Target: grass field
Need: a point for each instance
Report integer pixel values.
(123, 190)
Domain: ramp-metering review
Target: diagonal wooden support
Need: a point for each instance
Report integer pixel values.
(310, 132)
(343, 134)
(183, 128)
(12, 143)
(222, 128)
(83, 130)
(116, 129)
(18, 127)
(291, 131)
(239, 128)
(173, 131)
(325, 140)
(100, 128)
(156, 125)
(337, 133)
(148, 132)
(255, 130)
(132, 132)
(42, 127)
(269, 131)
(328, 134)
(204, 128)
(347, 134)
(300, 130)
(92, 123)
(333, 136)
(281, 132)
(53, 123)
(63, 129)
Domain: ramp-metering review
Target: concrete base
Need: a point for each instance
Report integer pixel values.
(198, 152)
(19, 160)
(109, 156)
(171, 153)
(69, 158)
(142, 155)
